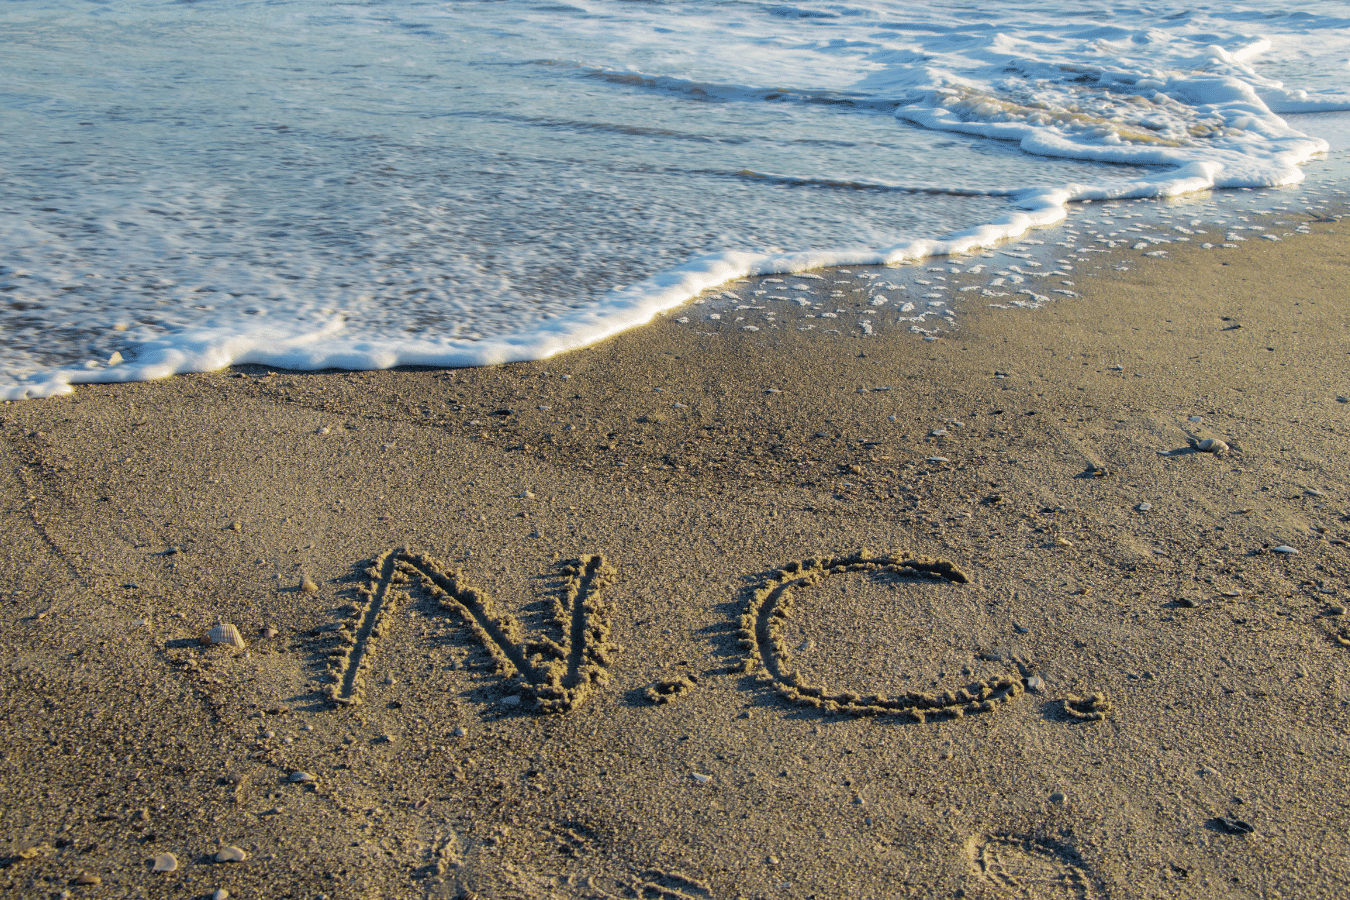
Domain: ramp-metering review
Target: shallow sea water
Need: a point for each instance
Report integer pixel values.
(361, 185)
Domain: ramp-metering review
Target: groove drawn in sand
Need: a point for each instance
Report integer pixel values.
(658, 885)
(557, 674)
(1032, 868)
(762, 636)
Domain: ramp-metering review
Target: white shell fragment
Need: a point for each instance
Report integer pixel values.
(166, 862)
(225, 633)
(1283, 548)
(231, 854)
(1212, 445)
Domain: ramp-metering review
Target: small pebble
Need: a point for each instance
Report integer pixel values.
(230, 854)
(221, 894)
(166, 862)
(1195, 419)
(1283, 548)
(1232, 826)
(701, 778)
(1035, 684)
(302, 778)
(1058, 798)
(459, 731)
(1144, 507)
(1335, 610)
(307, 585)
(513, 700)
(1212, 445)
(88, 880)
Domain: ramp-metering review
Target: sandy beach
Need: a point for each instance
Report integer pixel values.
(708, 613)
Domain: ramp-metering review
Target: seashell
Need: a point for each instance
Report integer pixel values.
(166, 862)
(225, 633)
(86, 880)
(1212, 445)
(307, 585)
(302, 778)
(231, 854)
(1283, 548)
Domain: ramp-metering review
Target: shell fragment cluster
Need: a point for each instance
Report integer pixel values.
(557, 675)
(762, 638)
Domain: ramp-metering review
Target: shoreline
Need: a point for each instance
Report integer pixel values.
(637, 304)
(698, 464)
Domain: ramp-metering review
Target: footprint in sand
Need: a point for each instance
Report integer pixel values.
(1033, 868)
(557, 675)
(763, 638)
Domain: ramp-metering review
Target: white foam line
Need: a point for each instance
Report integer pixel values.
(330, 346)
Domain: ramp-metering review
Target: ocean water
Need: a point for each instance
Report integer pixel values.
(308, 184)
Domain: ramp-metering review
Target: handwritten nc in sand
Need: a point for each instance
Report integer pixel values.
(559, 674)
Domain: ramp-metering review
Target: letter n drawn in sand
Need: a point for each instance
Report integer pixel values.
(557, 674)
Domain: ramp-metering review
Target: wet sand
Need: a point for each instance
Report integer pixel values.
(727, 561)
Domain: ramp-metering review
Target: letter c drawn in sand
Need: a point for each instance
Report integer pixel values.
(763, 640)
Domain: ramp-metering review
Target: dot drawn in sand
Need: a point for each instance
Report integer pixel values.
(1031, 868)
(663, 692)
(762, 637)
(1092, 708)
(557, 675)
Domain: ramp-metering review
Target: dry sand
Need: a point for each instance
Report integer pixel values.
(701, 466)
